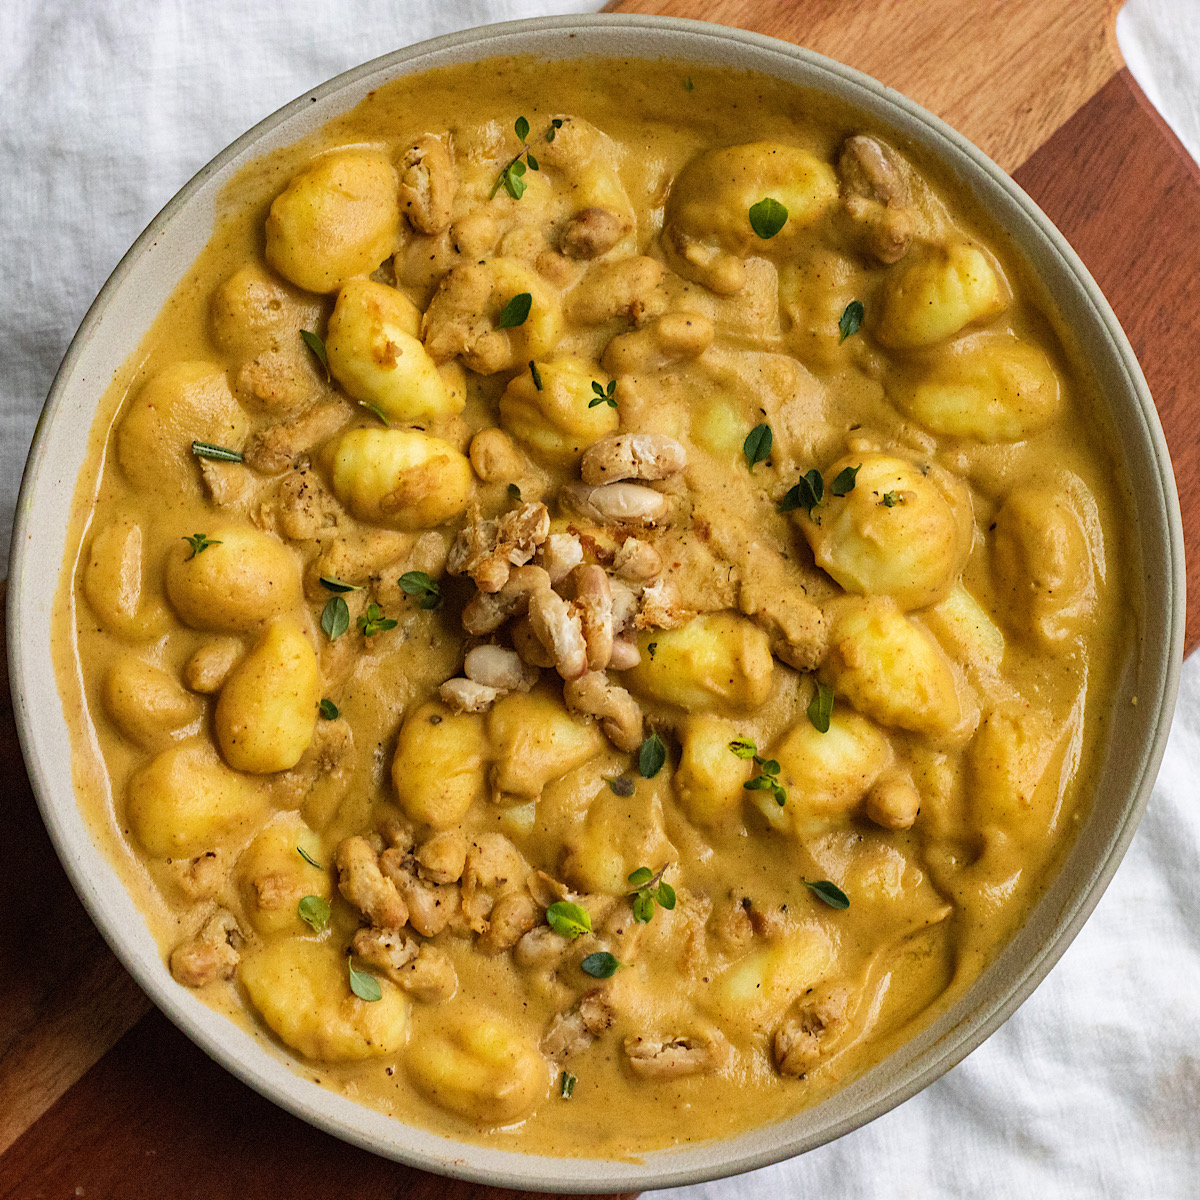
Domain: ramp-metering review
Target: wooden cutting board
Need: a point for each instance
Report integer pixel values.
(101, 1097)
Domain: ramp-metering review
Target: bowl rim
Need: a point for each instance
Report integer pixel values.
(664, 1168)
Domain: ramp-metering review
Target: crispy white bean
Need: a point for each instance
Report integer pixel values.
(615, 503)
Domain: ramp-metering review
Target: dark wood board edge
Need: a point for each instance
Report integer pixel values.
(1126, 195)
(156, 1118)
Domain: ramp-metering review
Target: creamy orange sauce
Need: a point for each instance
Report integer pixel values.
(965, 602)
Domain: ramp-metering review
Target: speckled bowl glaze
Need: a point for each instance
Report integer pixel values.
(124, 311)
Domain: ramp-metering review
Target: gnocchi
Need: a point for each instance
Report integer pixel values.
(553, 415)
(336, 219)
(716, 662)
(897, 533)
(399, 478)
(480, 1068)
(375, 354)
(185, 800)
(561, 597)
(267, 708)
(240, 578)
(182, 403)
(936, 293)
(302, 990)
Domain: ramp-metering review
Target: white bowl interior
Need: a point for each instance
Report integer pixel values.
(124, 311)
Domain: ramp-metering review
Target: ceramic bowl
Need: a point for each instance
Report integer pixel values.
(126, 307)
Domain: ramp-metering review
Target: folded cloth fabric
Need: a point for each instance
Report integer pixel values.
(1093, 1088)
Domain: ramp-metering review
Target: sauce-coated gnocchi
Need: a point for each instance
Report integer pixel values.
(593, 609)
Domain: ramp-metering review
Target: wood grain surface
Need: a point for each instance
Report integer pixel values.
(1006, 73)
(103, 1099)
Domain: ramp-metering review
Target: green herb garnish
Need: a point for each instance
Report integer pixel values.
(767, 217)
(514, 492)
(335, 617)
(314, 912)
(830, 893)
(650, 888)
(843, 483)
(757, 446)
(651, 756)
(376, 411)
(566, 1085)
(373, 621)
(767, 780)
(329, 710)
(688, 85)
(850, 320)
(516, 311)
(743, 747)
(216, 453)
(537, 375)
(314, 343)
(621, 785)
(199, 542)
(363, 984)
(650, 649)
(308, 858)
(820, 708)
(891, 499)
(568, 920)
(807, 493)
(603, 396)
(336, 585)
(600, 965)
(510, 176)
(417, 583)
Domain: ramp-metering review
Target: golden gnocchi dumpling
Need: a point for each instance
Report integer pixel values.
(989, 386)
(585, 164)
(708, 212)
(148, 705)
(301, 988)
(759, 986)
(273, 877)
(899, 532)
(240, 579)
(493, 314)
(113, 582)
(935, 292)
(557, 421)
(399, 478)
(892, 669)
(267, 709)
(619, 834)
(718, 427)
(185, 402)
(374, 353)
(186, 800)
(254, 311)
(718, 661)
(477, 1065)
(1007, 761)
(966, 631)
(709, 778)
(1042, 567)
(826, 775)
(338, 218)
(535, 739)
(438, 771)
